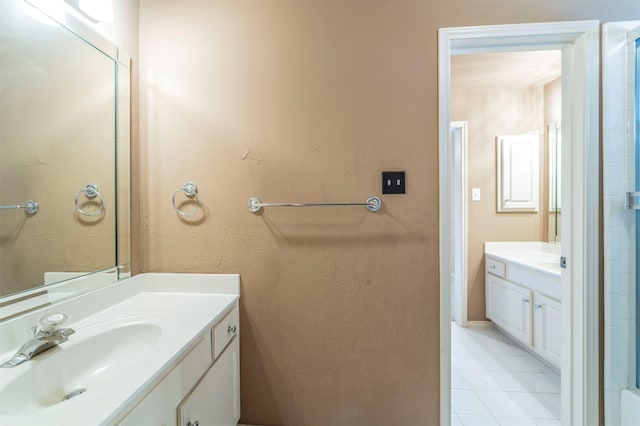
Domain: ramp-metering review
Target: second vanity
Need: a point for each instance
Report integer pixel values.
(524, 293)
(153, 349)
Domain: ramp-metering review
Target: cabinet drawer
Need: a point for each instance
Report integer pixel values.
(225, 331)
(496, 267)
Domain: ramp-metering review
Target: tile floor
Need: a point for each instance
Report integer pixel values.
(495, 382)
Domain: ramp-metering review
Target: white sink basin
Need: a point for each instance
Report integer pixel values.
(94, 355)
(129, 336)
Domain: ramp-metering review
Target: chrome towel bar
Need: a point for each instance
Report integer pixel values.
(372, 203)
(30, 207)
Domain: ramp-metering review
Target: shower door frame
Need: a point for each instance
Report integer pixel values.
(619, 170)
(579, 42)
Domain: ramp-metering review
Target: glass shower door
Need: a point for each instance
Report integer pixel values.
(621, 221)
(636, 114)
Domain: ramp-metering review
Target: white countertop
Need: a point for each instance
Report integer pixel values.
(538, 256)
(183, 306)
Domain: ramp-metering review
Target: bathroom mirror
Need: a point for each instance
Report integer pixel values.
(555, 184)
(64, 144)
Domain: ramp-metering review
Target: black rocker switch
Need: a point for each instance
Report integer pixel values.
(393, 183)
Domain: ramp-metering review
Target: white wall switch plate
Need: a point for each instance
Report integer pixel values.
(475, 194)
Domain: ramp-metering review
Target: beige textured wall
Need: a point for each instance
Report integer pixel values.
(492, 112)
(553, 102)
(309, 101)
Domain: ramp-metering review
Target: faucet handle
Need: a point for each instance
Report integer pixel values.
(50, 323)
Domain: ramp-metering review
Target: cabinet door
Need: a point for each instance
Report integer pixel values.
(215, 401)
(158, 408)
(518, 172)
(547, 327)
(509, 307)
(155, 409)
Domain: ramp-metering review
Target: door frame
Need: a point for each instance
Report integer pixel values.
(580, 42)
(459, 272)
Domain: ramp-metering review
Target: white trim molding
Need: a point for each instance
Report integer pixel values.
(579, 42)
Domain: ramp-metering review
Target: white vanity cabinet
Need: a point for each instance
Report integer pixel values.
(203, 389)
(520, 301)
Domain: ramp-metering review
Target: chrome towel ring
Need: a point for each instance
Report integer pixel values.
(90, 192)
(190, 190)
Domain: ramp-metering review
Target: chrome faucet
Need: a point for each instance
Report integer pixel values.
(46, 336)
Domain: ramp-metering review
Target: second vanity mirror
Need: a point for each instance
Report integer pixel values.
(555, 182)
(64, 144)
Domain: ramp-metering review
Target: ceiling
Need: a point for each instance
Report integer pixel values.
(509, 69)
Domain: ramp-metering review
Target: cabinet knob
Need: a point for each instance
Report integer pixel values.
(231, 330)
(525, 300)
(537, 306)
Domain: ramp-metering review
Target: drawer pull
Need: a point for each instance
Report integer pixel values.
(537, 306)
(492, 267)
(525, 300)
(232, 329)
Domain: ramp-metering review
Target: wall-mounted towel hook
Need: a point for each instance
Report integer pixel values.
(90, 192)
(190, 190)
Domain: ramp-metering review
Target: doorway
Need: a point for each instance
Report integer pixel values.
(498, 373)
(515, 94)
(578, 42)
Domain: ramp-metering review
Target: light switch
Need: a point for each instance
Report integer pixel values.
(475, 194)
(393, 182)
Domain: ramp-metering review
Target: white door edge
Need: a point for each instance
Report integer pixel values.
(460, 171)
